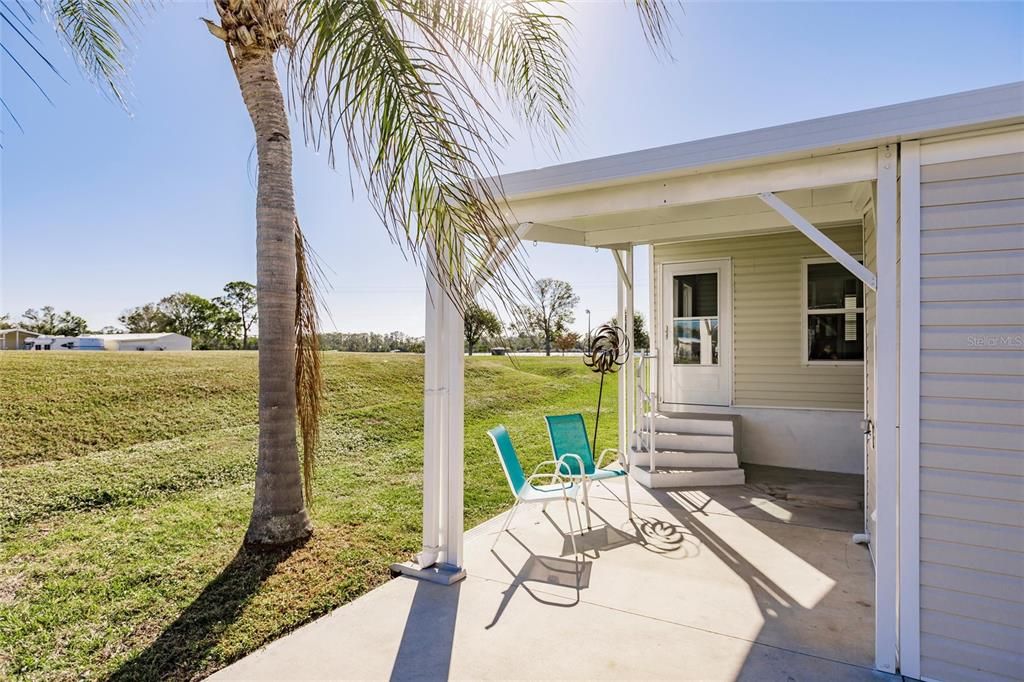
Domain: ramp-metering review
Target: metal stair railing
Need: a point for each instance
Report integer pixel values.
(646, 400)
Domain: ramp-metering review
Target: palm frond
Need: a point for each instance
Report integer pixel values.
(656, 19)
(400, 95)
(309, 379)
(27, 36)
(95, 32)
(18, 26)
(517, 46)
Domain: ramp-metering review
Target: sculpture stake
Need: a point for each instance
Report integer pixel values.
(608, 351)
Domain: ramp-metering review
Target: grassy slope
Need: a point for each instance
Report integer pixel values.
(125, 487)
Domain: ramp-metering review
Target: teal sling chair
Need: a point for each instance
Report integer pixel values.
(568, 435)
(525, 488)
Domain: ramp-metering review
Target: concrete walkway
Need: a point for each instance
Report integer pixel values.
(723, 584)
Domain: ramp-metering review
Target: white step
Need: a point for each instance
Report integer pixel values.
(666, 440)
(697, 423)
(670, 477)
(685, 459)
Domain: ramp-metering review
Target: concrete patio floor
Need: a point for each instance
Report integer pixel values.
(728, 583)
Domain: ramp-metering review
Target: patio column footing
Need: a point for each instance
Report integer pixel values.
(442, 574)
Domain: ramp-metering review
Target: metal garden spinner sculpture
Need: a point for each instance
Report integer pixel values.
(609, 349)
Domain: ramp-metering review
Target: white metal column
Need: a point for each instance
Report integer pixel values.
(626, 397)
(886, 538)
(441, 557)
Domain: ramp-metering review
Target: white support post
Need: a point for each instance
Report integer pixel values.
(440, 559)
(819, 238)
(452, 477)
(910, 410)
(630, 367)
(654, 324)
(624, 263)
(885, 541)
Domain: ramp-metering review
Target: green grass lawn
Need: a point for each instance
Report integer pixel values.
(126, 484)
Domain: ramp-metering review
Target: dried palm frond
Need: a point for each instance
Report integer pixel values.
(309, 379)
(259, 24)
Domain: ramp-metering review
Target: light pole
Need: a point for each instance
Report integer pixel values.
(588, 328)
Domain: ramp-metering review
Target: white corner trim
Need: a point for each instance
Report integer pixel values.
(909, 409)
(819, 238)
(886, 537)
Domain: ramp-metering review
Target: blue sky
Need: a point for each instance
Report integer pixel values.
(101, 210)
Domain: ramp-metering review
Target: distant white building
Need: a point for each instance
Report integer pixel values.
(45, 342)
(115, 342)
(15, 338)
(137, 342)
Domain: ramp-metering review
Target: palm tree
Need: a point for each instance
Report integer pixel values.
(411, 89)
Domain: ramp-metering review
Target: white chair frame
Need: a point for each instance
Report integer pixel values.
(567, 489)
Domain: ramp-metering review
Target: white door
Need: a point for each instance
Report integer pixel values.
(697, 333)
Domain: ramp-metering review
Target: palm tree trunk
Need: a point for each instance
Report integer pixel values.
(278, 510)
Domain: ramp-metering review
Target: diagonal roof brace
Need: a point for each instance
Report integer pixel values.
(819, 238)
(623, 275)
(497, 258)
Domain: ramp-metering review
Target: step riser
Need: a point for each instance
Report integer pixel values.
(688, 441)
(687, 479)
(714, 427)
(719, 460)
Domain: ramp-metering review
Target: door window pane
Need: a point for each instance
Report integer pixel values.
(695, 342)
(831, 286)
(835, 337)
(695, 295)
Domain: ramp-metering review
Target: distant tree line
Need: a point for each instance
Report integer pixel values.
(221, 323)
(48, 321)
(229, 322)
(371, 342)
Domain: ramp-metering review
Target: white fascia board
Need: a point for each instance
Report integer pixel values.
(974, 109)
(835, 169)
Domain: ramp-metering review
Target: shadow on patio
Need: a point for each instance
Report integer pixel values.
(721, 584)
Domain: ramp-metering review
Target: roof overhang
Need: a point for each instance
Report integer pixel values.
(866, 129)
(708, 188)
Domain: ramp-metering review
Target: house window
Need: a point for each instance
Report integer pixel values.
(833, 313)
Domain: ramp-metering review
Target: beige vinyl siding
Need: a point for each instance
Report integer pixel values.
(766, 283)
(972, 419)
